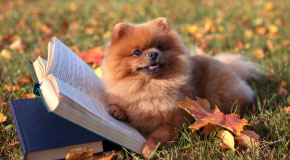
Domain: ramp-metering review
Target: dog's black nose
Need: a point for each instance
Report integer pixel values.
(153, 55)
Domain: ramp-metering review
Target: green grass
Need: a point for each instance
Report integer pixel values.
(223, 26)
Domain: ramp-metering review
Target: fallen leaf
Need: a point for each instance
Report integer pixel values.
(4, 105)
(27, 95)
(268, 5)
(79, 154)
(273, 28)
(283, 84)
(94, 55)
(200, 110)
(269, 45)
(12, 87)
(192, 29)
(248, 139)
(40, 52)
(98, 71)
(259, 53)
(17, 45)
(208, 129)
(261, 30)
(2, 117)
(227, 139)
(6, 54)
(287, 109)
(24, 80)
(14, 143)
(104, 156)
(285, 43)
(249, 33)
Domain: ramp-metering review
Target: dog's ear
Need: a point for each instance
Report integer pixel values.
(162, 22)
(120, 30)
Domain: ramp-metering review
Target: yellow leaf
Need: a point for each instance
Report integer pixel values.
(107, 35)
(6, 54)
(248, 139)
(273, 29)
(258, 21)
(79, 154)
(2, 117)
(192, 29)
(249, 33)
(89, 30)
(227, 138)
(268, 5)
(98, 71)
(73, 6)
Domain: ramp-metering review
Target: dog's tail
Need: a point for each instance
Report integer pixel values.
(244, 68)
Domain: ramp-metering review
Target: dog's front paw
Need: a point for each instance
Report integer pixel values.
(116, 112)
(148, 149)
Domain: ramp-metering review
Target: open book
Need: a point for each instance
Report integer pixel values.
(71, 89)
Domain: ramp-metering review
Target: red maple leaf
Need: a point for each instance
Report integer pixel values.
(93, 55)
(200, 110)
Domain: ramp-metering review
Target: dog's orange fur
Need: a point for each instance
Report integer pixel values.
(148, 100)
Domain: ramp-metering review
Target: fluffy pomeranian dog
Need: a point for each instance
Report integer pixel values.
(147, 69)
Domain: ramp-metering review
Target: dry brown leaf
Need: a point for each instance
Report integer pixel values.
(4, 105)
(200, 110)
(248, 139)
(208, 129)
(104, 156)
(79, 154)
(40, 52)
(2, 117)
(227, 139)
(223, 146)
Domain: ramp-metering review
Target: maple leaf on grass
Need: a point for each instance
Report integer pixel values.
(93, 55)
(200, 110)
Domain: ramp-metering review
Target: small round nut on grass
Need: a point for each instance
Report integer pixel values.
(248, 139)
(227, 139)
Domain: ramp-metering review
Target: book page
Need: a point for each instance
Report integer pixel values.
(92, 105)
(68, 67)
(39, 66)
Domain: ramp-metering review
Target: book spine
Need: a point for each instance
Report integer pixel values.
(19, 130)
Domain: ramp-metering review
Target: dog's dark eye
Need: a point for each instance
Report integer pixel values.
(137, 53)
(160, 48)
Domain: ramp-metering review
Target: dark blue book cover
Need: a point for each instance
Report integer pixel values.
(39, 130)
